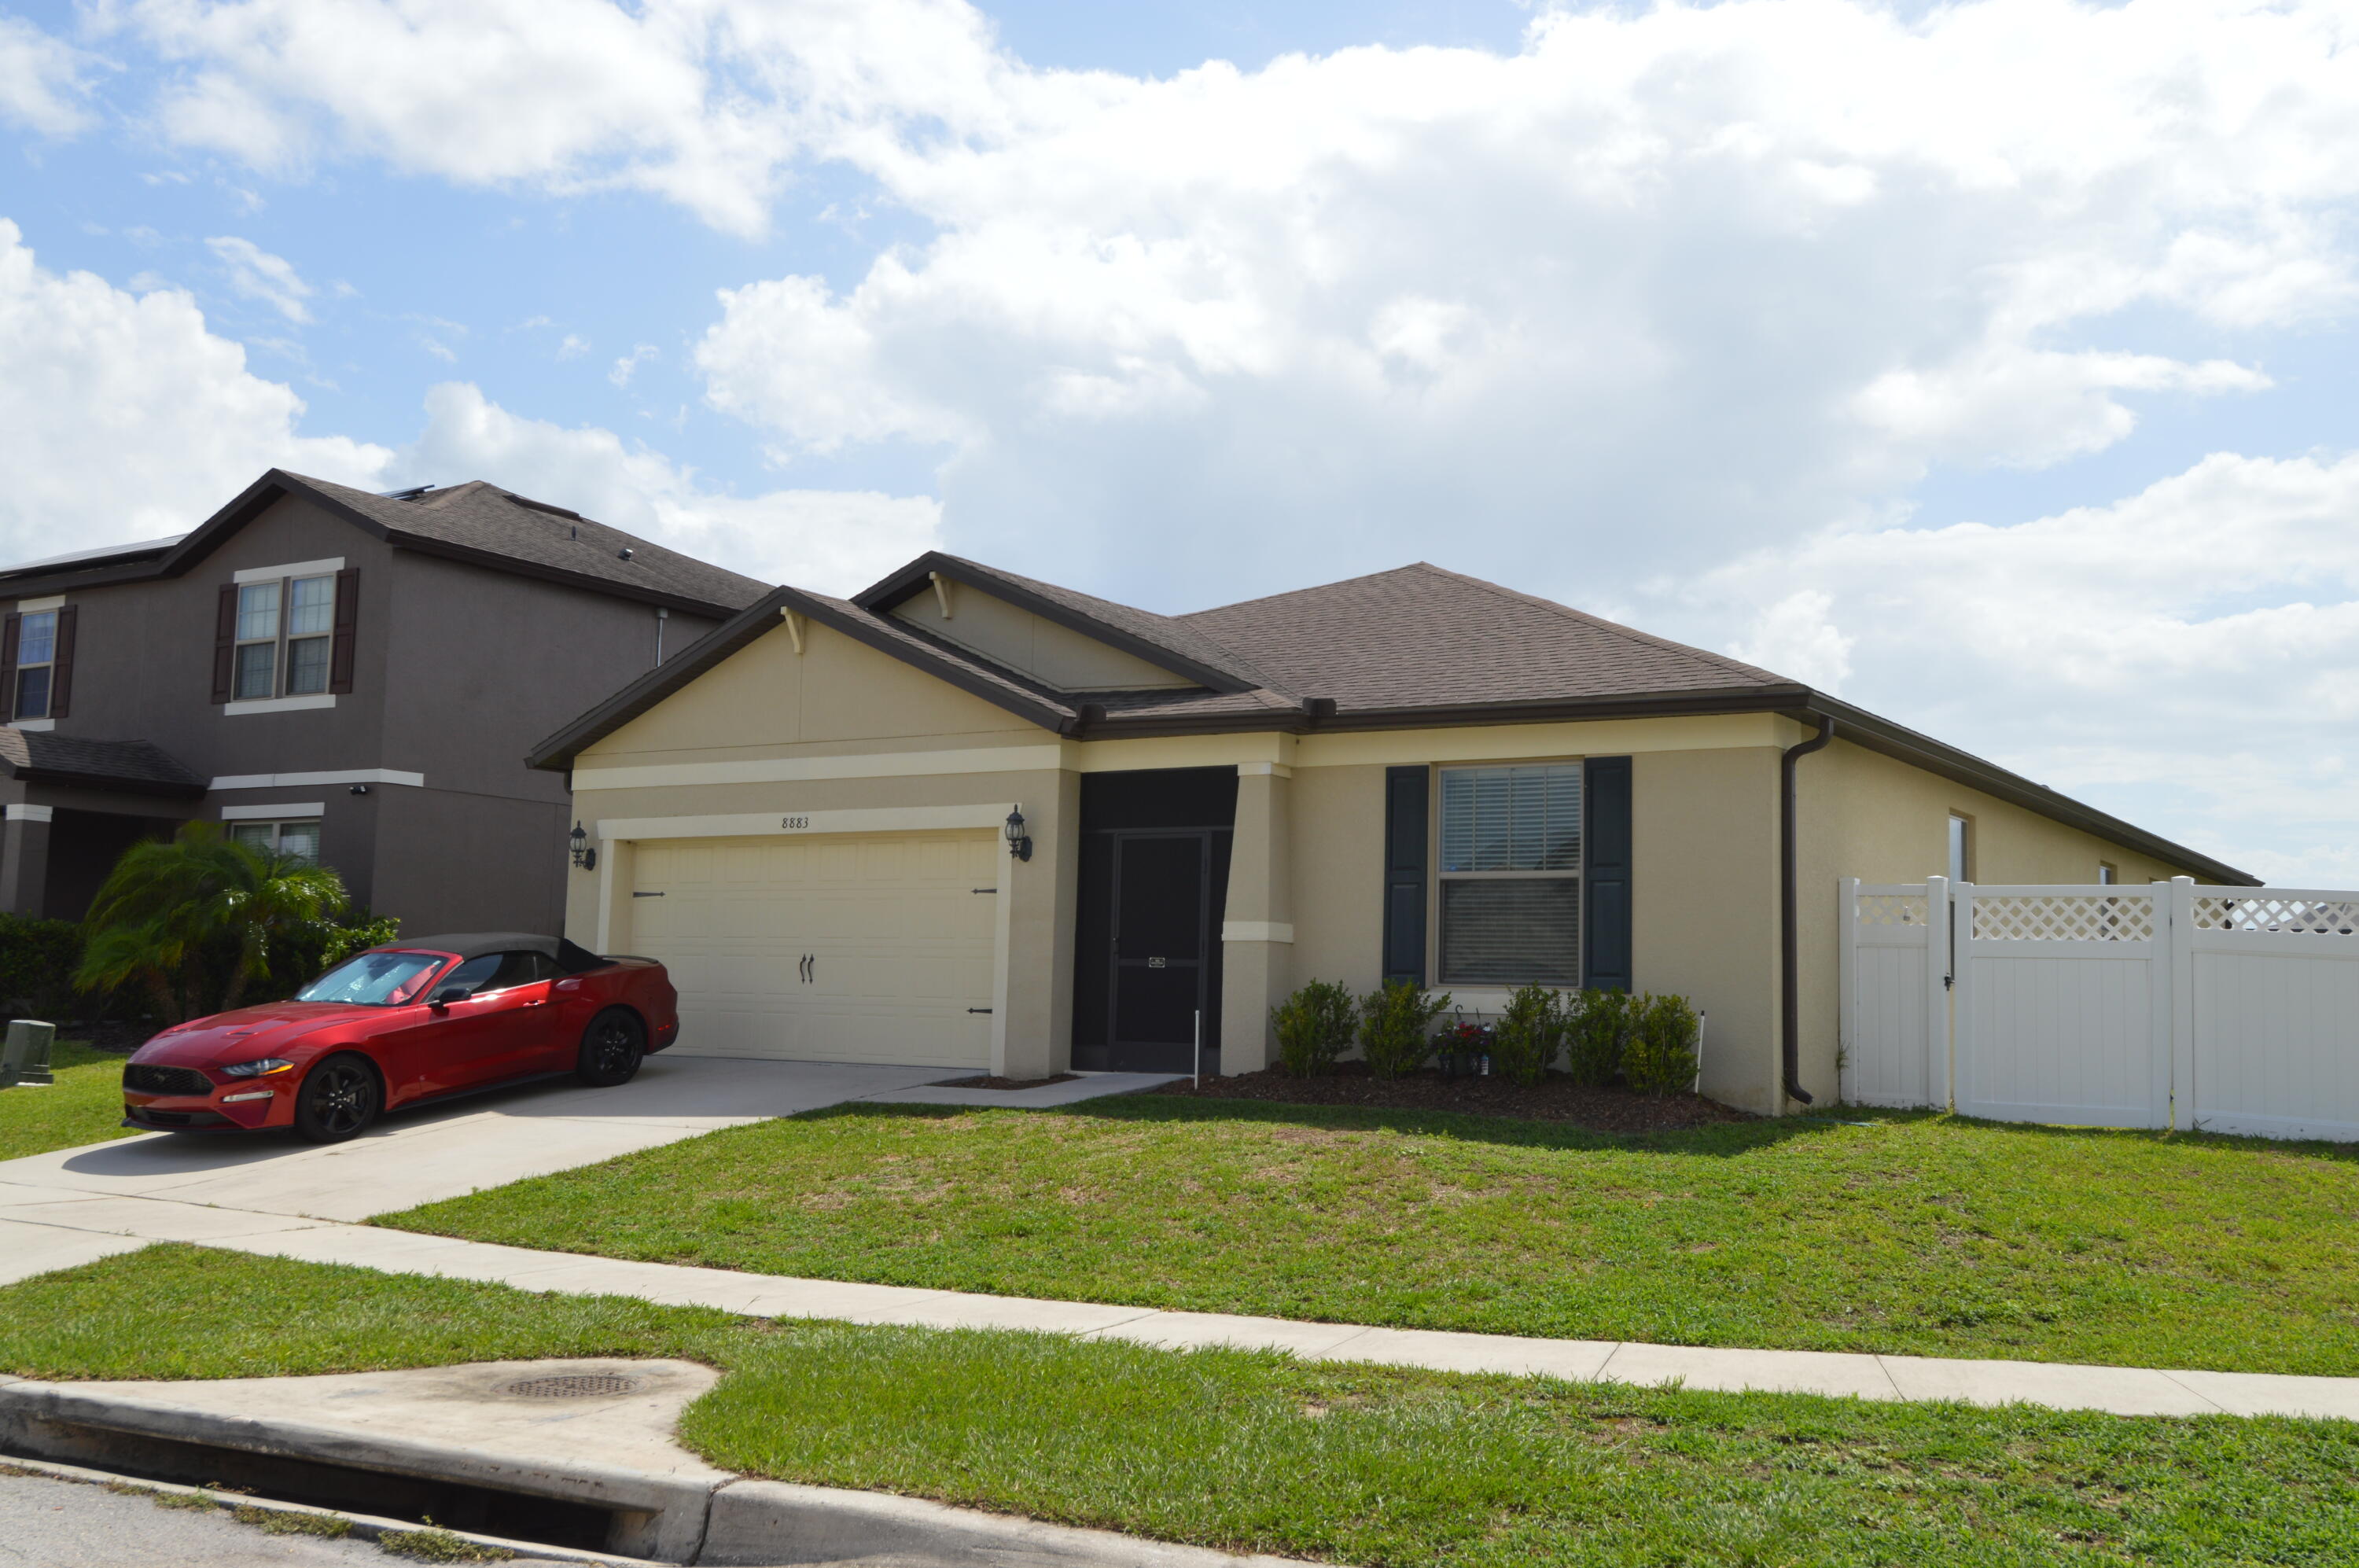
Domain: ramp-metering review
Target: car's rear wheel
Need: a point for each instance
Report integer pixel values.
(338, 1100)
(612, 1048)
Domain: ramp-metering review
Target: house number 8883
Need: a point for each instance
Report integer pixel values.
(794, 821)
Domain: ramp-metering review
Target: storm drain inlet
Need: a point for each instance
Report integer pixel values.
(578, 1385)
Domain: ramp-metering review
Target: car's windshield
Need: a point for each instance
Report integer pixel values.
(374, 979)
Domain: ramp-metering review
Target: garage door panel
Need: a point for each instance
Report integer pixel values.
(902, 946)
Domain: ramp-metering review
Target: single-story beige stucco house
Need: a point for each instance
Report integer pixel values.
(808, 815)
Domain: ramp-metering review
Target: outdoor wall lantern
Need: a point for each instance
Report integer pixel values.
(1019, 843)
(584, 857)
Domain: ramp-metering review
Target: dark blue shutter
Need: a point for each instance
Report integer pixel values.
(1605, 931)
(1405, 874)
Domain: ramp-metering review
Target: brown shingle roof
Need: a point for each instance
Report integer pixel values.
(133, 764)
(477, 515)
(1420, 637)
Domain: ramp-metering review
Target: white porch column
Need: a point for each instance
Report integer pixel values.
(1257, 926)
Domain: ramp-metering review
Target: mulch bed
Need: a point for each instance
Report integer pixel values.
(988, 1082)
(1558, 1100)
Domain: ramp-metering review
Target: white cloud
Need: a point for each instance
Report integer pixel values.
(573, 346)
(2189, 655)
(835, 540)
(258, 274)
(628, 366)
(124, 418)
(42, 81)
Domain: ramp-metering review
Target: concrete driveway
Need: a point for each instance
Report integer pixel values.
(445, 1151)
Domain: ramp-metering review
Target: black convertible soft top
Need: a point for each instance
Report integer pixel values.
(571, 956)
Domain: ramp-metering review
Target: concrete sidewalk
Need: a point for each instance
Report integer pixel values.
(46, 1228)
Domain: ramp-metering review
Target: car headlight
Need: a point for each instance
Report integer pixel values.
(258, 1069)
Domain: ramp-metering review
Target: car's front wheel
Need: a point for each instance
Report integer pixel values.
(612, 1047)
(338, 1100)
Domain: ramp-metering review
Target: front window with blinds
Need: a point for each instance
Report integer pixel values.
(1511, 874)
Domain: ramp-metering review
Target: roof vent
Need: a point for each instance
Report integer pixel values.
(545, 506)
(412, 494)
(624, 553)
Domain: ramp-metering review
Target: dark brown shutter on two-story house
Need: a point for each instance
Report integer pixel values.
(224, 642)
(62, 664)
(348, 610)
(8, 663)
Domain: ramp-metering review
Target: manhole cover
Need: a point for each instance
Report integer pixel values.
(577, 1386)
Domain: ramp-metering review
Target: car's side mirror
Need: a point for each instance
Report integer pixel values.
(448, 995)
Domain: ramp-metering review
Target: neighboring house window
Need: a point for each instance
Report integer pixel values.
(289, 637)
(1511, 874)
(37, 652)
(2106, 875)
(300, 839)
(303, 629)
(1962, 847)
(257, 640)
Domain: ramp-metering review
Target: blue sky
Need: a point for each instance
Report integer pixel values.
(1989, 364)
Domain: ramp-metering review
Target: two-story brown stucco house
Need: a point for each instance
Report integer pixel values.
(346, 676)
(1411, 774)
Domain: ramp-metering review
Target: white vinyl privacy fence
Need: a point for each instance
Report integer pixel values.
(2228, 1009)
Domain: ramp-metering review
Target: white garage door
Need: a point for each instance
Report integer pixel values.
(849, 947)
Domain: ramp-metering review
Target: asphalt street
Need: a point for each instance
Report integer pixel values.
(68, 1524)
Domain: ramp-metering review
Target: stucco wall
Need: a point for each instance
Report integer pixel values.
(769, 703)
(1021, 640)
(1863, 815)
(1703, 890)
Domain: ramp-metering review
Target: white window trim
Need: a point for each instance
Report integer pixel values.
(35, 606)
(279, 704)
(276, 811)
(295, 569)
(17, 813)
(38, 726)
(299, 781)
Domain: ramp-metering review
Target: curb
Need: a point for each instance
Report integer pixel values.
(656, 1518)
(365, 1527)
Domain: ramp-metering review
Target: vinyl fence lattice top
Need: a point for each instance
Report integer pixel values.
(2296, 916)
(1892, 908)
(2053, 917)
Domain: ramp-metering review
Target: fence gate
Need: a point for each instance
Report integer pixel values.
(2159, 1006)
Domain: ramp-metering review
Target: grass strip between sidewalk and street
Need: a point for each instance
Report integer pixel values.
(1915, 1234)
(84, 1106)
(1255, 1451)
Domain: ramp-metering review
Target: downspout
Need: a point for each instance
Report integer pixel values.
(1788, 935)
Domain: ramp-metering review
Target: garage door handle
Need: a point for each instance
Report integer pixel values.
(647, 895)
(978, 1009)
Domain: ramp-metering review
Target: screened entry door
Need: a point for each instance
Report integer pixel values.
(1163, 948)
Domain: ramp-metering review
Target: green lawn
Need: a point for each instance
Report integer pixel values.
(1253, 1450)
(1915, 1233)
(84, 1106)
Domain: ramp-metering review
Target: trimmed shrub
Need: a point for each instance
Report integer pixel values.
(1313, 1027)
(1660, 1058)
(37, 961)
(1525, 1041)
(1395, 1021)
(1597, 1028)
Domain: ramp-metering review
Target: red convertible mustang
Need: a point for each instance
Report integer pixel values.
(399, 1024)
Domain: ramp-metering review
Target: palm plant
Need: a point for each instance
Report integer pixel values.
(171, 909)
